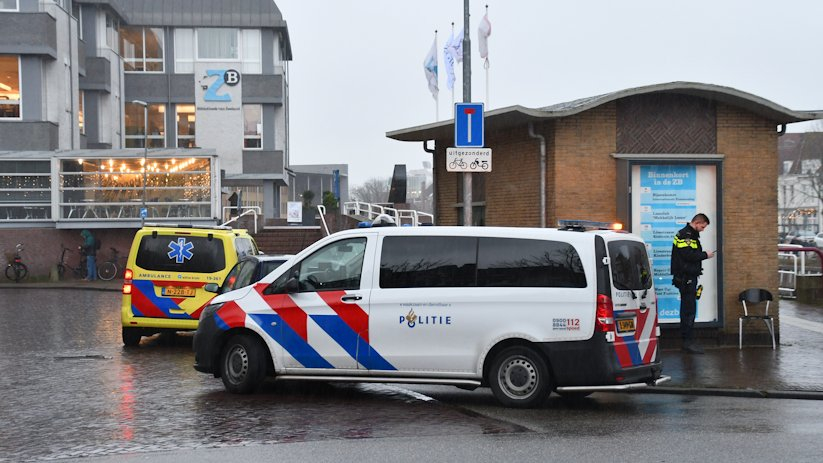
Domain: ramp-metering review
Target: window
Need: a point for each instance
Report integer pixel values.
(507, 262)
(185, 126)
(141, 49)
(136, 125)
(251, 52)
(25, 190)
(217, 43)
(428, 261)
(9, 86)
(252, 126)
(8, 5)
(184, 51)
(337, 266)
(207, 256)
(81, 118)
(630, 265)
(110, 32)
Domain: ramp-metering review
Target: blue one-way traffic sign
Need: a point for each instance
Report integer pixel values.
(468, 125)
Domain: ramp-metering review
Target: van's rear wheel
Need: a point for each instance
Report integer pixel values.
(131, 336)
(243, 364)
(519, 377)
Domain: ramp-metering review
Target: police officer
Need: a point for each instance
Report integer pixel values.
(687, 258)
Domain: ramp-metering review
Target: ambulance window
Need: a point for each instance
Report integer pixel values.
(512, 262)
(630, 265)
(244, 247)
(336, 266)
(428, 261)
(172, 253)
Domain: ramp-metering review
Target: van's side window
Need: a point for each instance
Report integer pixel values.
(528, 263)
(336, 266)
(428, 261)
(172, 253)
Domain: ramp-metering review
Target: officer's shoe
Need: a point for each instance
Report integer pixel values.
(693, 349)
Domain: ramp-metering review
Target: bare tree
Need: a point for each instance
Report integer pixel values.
(374, 190)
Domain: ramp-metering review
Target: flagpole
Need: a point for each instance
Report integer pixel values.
(486, 67)
(436, 98)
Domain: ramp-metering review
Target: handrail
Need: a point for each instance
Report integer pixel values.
(371, 211)
(322, 210)
(249, 210)
(802, 272)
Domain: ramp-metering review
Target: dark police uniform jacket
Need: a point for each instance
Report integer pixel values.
(687, 255)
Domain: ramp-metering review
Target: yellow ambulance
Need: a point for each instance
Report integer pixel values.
(166, 272)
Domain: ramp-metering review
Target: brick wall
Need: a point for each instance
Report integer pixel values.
(42, 247)
(584, 171)
(749, 144)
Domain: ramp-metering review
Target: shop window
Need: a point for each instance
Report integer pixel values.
(142, 49)
(138, 131)
(9, 86)
(252, 126)
(185, 126)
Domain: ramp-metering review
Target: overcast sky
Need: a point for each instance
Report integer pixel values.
(357, 68)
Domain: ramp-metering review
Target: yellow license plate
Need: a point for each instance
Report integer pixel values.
(173, 291)
(624, 325)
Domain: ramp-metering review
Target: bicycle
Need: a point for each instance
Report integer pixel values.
(457, 163)
(109, 269)
(479, 164)
(16, 270)
(80, 271)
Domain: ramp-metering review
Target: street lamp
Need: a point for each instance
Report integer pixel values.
(145, 155)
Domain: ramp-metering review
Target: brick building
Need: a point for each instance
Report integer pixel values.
(648, 157)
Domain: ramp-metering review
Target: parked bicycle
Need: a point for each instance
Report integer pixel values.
(80, 271)
(16, 270)
(109, 269)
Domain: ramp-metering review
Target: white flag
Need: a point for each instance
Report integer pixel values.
(484, 30)
(452, 51)
(430, 69)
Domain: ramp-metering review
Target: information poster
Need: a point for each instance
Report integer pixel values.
(664, 199)
(295, 212)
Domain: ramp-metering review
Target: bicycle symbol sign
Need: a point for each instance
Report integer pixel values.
(468, 159)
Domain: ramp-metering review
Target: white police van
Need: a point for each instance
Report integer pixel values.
(523, 311)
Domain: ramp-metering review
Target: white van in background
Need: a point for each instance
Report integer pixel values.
(523, 311)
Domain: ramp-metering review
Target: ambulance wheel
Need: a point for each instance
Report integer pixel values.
(519, 377)
(243, 364)
(131, 336)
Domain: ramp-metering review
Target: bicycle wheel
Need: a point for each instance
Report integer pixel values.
(106, 271)
(16, 271)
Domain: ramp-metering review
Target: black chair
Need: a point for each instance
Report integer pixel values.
(755, 296)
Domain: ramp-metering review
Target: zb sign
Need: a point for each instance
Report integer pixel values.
(229, 77)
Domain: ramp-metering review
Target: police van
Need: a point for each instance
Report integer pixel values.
(166, 273)
(523, 311)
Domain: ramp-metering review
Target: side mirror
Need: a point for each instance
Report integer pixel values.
(212, 287)
(292, 286)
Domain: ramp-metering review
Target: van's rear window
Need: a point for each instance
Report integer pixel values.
(630, 265)
(166, 253)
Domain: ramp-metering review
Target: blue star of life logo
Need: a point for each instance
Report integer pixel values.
(180, 250)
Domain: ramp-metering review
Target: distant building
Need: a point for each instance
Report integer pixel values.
(320, 178)
(77, 76)
(800, 183)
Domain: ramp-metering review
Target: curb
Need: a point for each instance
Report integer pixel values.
(730, 392)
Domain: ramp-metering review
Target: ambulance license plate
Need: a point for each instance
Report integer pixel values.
(174, 291)
(625, 325)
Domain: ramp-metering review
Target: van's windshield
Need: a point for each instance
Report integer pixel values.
(630, 265)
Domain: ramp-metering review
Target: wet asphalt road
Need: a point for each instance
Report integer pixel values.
(70, 390)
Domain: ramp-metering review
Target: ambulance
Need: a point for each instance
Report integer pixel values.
(166, 271)
(524, 311)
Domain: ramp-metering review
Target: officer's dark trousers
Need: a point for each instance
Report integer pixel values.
(688, 310)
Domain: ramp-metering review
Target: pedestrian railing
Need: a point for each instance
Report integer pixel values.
(797, 261)
(369, 211)
(247, 210)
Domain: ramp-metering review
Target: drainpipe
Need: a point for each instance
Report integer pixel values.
(542, 173)
(434, 177)
(782, 130)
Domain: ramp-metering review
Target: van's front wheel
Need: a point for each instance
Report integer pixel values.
(519, 377)
(242, 364)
